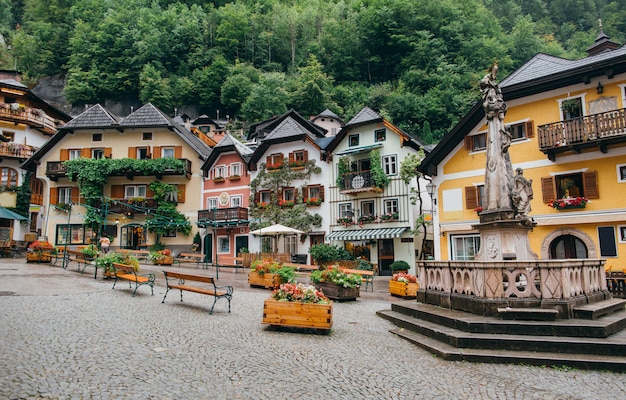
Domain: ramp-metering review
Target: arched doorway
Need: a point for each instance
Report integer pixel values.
(567, 246)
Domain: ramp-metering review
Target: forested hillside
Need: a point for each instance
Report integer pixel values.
(416, 61)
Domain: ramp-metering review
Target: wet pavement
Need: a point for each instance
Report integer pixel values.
(65, 335)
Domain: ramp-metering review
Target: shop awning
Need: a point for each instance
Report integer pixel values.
(366, 234)
(362, 149)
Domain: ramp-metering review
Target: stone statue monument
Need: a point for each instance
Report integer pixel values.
(504, 220)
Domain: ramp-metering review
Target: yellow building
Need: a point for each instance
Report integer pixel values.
(150, 147)
(567, 123)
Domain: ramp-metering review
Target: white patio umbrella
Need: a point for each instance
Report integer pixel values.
(276, 230)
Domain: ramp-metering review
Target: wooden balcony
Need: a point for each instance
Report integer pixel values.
(596, 130)
(30, 116)
(16, 150)
(354, 182)
(57, 169)
(235, 216)
(128, 207)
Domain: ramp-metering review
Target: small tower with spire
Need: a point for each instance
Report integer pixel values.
(602, 43)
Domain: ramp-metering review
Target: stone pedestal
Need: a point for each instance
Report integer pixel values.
(502, 239)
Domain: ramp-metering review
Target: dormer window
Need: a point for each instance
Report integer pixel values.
(353, 140)
(96, 137)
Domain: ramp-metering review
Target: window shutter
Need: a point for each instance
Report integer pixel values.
(181, 193)
(590, 184)
(268, 160)
(117, 191)
(149, 193)
(75, 195)
(306, 155)
(257, 197)
(108, 152)
(292, 157)
(529, 129)
(156, 151)
(305, 193)
(54, 195)
(471, 197)
(548, 189)
(85, 152)
(322, 193)
(279, 194)
(469, 144)
(132, 152)
(65, 155)
(295, 194)
(178, 151)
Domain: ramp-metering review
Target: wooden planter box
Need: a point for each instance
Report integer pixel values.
(298, 315)
(164, 260)
(38, 257)
(403, 289)
(268, 281)
(337, 292)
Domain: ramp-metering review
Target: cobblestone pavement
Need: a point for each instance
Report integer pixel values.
(65, 335)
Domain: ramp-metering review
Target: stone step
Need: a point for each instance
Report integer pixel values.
(510, 342)
(448, 352)
(599, 328)
(528, 314)
(599, 309)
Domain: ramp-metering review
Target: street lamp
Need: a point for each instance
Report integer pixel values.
(431, 189)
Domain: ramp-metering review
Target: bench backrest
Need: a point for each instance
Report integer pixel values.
(358, 271)
(76, 253)
(191, 255)
(123, 267)
(188, 277)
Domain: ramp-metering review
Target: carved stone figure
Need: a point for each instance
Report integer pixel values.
(499, 170)
(522, 195)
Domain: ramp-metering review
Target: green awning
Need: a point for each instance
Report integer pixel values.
(362, 149)
(367, 234)
(8, 214)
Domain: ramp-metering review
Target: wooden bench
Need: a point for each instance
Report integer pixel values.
(79, 258)
(57, 254)
(175, 280)
(366, 275)
(128, 273)
(138, 254)
(231, 262)
(190, 258)
(302, 267)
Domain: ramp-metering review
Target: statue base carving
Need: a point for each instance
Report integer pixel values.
(503, 238)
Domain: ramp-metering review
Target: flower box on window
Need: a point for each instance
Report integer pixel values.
(569, 202)
(389, 216)
(234, 177)
(262, 204)
(286, 203)
(274, 167)
(313, 201)
(298, 164)
(218, 179)
(345, 221)
(366, 219)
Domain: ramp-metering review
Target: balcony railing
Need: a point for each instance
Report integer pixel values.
(596, 130)
(29, 116)
(357, 181)
(57, 169)
(128, 207)
(16, 150)
(223, 216)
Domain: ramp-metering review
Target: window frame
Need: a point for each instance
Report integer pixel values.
(146, 136)
(621, 233)
(291, 244)
(219, 171)
(96, 137)
(235, 169)
(12, 177)
(221, 240)
(78, 234)
(234, 199)
(380, 135)
(353, 140)
(390, 161)
(369, 203)
(139, 150)
(64, 195)
(621, 173)
(135, 191)
(344, 209)
(313, 187)
(210, 200)
(265, 195)
(478, 146)
(74, 154)
(291, 191)
(454, 250)
(605, 246)
(168, 149)
(97, 153)
(391, 206)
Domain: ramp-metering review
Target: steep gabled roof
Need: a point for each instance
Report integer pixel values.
(365, 116)
(262, 130)
(289, 127)
(146, 116)
(539, 75)
(228, 144)
(94, 117)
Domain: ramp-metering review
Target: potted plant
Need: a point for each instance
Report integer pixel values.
(399, 266)
(39, 251)
(270, 274)
(90, 252)
(403, 285)
(161, 257)
(298, 306)
(337, 284)
(197, 242)
(324, 254)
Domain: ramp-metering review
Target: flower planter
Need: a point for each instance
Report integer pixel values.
(337, 292)
(164, 260)
(36, 256)
(403, 289)
(267, 280)
(297, 315)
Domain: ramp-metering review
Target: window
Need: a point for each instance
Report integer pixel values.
(97, 154)
(74, 234)
(464, 247)
(345, 210)
(621, 173)
(390, 206)
(96, 137)
(219, 171)
(73, 154)
(9, 135)
(223, 244)
(291, 244)
(235, 169)
(299, 156)
(571, 108)
(521, 131)
(64, 195)
(146, 136)
(169, 233)
(581, 184)
(143, 153)
(476, 142)
(314, 192)
(606, 236)
(289, 194)
(622, 233)
(236, 201)
(211, 203)
(265, 196)
(167, 152)
(567, 246)
(380, 135)
(474, 196)
(8, 177)
(390, 165)
(131, 191)
(353, 140)
(367, 208)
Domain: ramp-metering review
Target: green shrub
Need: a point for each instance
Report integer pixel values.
(399, 266)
